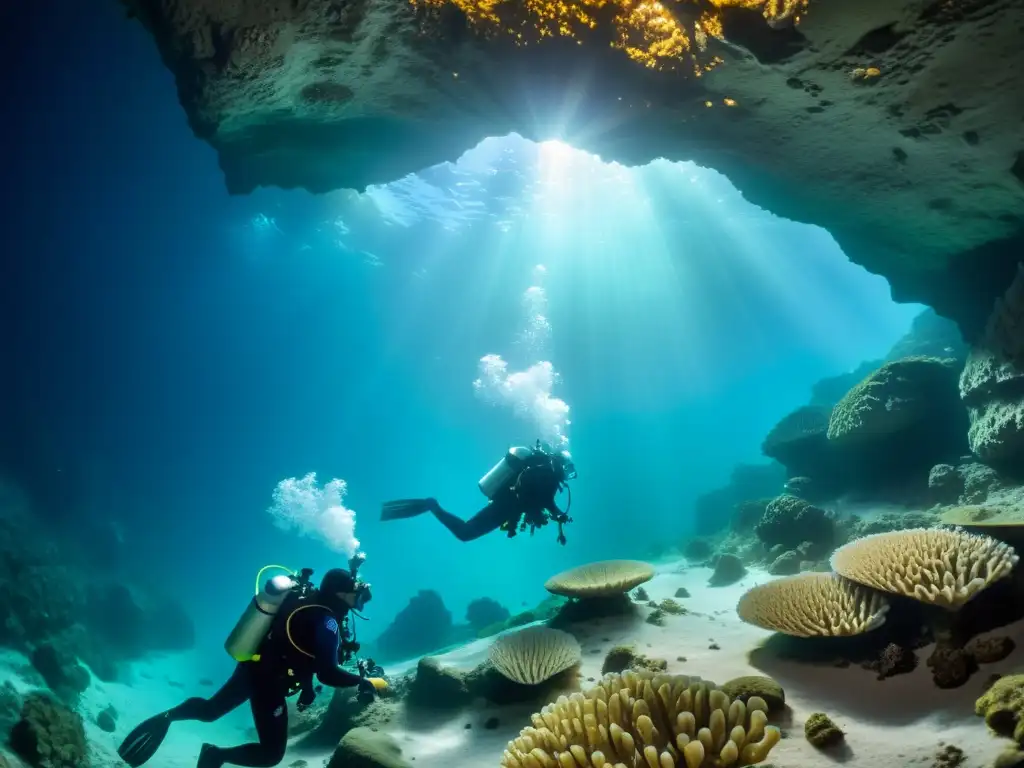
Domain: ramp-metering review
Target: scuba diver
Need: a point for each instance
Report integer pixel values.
(289, 632)
(521, 491)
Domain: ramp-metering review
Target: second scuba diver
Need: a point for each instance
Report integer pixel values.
(289, 632)
(521, 490)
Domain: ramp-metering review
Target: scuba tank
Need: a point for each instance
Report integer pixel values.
(254, 624)
(504, 473)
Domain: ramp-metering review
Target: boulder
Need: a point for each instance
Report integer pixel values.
(366, 748)
(789, 521)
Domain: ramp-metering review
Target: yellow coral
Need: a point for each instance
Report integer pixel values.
(645, 720)
(936, 566)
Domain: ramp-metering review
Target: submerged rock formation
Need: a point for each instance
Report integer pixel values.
(894, 124)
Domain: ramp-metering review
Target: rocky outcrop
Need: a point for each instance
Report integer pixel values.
(992, 383)
(63, 612)
(424, 625)
(869, 102)
(789, 521)
(715, 509)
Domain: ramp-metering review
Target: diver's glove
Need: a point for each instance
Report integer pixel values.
(307, 697)
(367, 691)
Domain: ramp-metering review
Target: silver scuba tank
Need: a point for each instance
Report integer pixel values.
(505, 471)
(255, 622)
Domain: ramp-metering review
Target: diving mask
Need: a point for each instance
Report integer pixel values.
(567, 465)
(363, 596)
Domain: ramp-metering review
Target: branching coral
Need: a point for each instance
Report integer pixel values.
(645, 720)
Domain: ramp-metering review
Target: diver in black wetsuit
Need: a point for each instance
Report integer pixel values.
(305, 640)
(521, 490)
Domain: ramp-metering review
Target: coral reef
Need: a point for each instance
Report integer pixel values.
(894, 413)
(789, 521)
(992, 383)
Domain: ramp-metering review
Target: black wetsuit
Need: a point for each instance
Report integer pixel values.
(532, 496)
(266, 683)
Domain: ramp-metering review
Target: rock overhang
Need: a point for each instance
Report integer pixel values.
(898, 125)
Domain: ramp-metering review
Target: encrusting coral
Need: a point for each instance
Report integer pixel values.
(645, 720)
(1002, 706)
(935, 566)
(813, 605)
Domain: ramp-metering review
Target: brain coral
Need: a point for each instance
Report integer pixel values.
(898, 395)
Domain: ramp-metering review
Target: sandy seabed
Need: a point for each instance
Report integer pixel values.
(901, 721)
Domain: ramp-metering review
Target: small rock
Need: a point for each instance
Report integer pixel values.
(106, 720)
(989, 650)
(682, 592)
(951, 667)
(364, 748)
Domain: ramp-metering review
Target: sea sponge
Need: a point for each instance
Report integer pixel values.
(535, 654)
(898, 395)
(602, 579)
(1002, 706)
(936, 566)
(642, 719)
(813, 605)
(821, 732)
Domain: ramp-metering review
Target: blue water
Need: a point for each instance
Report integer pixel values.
(182, 351)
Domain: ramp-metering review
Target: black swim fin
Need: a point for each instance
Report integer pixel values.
(142, 743)
(209, 757)
(400, 509)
